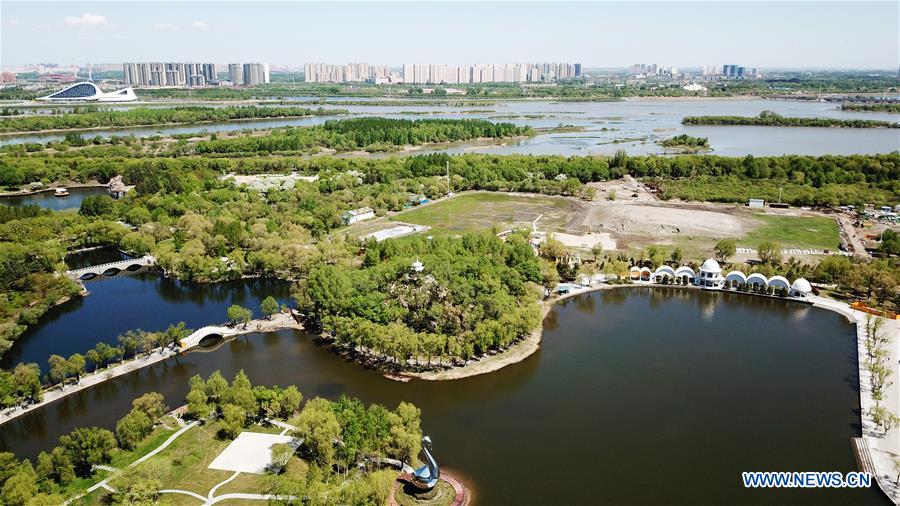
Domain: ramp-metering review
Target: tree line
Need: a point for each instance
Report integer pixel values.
(769, 118)
(140, 116)
(371, 134)
(891, 107)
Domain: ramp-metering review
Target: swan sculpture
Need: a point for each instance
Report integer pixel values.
(426, 477)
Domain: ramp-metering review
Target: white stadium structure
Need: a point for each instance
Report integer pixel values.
(90, 92)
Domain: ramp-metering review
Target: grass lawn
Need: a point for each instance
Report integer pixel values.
(474, 212)
(807, 232)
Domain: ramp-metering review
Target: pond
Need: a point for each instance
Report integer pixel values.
(48, 200)
(636, 396)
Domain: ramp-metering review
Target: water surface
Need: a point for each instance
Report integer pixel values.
(637, 396)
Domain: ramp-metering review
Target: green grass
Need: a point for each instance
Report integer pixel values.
(807, 232)
(474, 212)
(122, 458)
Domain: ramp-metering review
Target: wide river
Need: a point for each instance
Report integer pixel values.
(634, 125)
(637, 395)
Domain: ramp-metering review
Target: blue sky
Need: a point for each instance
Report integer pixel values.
(813, 34)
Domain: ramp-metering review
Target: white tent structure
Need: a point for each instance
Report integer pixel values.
(801, 288)
(757, 280)
(663, 272)
(779, 282)
(735, 278)
(685, 274)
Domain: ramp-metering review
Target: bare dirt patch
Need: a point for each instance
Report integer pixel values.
(665, 221)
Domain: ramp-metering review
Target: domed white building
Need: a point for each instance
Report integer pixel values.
(710, 276)
(801, 288)
(90, 92)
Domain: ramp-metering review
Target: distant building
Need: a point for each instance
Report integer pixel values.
(169, 74)
(236, 74)
(7, 78)
(756, 203)
(694, 87)
(361, 214)
(90, 92)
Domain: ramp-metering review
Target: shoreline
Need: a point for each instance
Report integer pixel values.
(25, 193)
(279, 321)
(25, 133)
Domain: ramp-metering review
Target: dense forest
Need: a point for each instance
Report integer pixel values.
(769, 118)
(473, 294)
(190, 218)
(891, 107)
(340, 439)
(371, 134)
(93, 117)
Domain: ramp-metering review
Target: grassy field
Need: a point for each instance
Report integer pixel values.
(473, 212)
(807, 232)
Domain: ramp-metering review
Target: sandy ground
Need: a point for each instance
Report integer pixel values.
(659, 220)
(587, 241)
(625, 191)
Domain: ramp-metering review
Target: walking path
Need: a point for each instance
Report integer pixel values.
(884, 448)
(278, 321)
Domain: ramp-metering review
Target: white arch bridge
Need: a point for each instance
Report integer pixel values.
(208, 331)
(112, 268)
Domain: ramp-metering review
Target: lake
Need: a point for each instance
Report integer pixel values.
(636, 396)
(634, 125)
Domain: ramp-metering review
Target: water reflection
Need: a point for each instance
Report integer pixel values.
(634, 391)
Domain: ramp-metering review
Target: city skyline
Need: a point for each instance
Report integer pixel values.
(861, 35)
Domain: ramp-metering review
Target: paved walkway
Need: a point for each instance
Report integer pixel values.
(883, 447)
(89, 380)
(277, 322)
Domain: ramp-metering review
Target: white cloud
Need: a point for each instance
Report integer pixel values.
(166, 27)
(200, 25)
(86, 20)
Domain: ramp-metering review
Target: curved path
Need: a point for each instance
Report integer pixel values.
(278, 321)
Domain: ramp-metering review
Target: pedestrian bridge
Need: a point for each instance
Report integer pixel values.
(209, 331)
(112, 268)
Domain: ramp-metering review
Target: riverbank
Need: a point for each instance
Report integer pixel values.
(53, 186)
(512, 355)
(279, 321)
(883, 447)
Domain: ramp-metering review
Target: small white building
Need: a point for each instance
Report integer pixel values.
(801, 288)
(363, 213)
(710, 275)
(756, 203)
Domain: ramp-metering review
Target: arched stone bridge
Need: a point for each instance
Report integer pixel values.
(111, 268)
(211, 330)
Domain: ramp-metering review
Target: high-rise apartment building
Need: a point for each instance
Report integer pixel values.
(430, 73)
(255, 73)
(236, 74)
(169, 74)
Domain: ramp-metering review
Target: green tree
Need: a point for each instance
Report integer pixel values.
(233, 419)
(133, 428)
(238, 314)
(269, 306)
(290, 401)
(59, 369)
(769, 253)
(87, 446)
(281, 455)
(96, 205)
(198, 405)
(20, 487)
(216, 386)
(62, 466)
(76, 365)
(152, 403)
(725, 249)
(319, 428)
(27, 379)
(676, 255)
